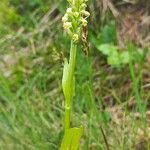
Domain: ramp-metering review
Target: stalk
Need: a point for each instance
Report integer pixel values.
(73, 22)
(71, 68)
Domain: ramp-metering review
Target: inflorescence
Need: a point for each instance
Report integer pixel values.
(75, 18)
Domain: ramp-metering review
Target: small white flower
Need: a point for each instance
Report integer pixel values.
(84, 22)
(65, 18)
(83, 6)
(75, 37)
(67, 25)
(69, 11)
(85, 13)
(76, 14)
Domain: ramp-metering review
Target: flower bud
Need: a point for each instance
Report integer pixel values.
(83, 6)
(67, 25)
(85, 13)
(76, 14)
(75, 37)
(69, 11)
(65, 18)
(84, 22)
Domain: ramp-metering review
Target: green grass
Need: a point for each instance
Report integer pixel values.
(26, 115)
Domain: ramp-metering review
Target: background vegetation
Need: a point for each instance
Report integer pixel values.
(113, 82)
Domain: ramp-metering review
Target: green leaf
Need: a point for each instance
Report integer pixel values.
(114, 59)
(125, 58)
(65, 83)
(71, 139)
(107, 49)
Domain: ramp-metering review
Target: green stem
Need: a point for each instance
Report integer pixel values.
(71, 68)
(72, 61)
(67, 117)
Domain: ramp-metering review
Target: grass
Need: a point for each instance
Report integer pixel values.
(31, 99)
(27, 117)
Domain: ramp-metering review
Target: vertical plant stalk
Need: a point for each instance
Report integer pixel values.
(73, 21)
(71, 85)
(72, 135)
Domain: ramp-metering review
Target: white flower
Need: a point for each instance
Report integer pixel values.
(75, 37)
(67, 25)
(85, 13)
(84, 22)
(83, 6)
(76, 14)
(69, 11)
(65, 18)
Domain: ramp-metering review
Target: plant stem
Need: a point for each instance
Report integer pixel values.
(71, 84)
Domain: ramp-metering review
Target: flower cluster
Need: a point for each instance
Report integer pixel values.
(75, 18)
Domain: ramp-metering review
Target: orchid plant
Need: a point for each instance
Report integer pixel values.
(73, 22)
